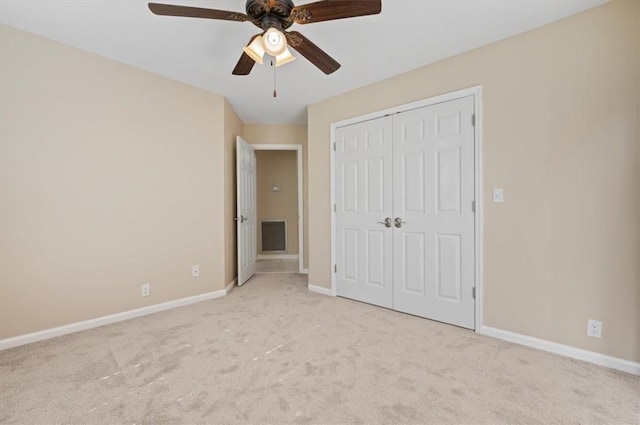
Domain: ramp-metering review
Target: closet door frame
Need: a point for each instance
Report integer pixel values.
(476, 92)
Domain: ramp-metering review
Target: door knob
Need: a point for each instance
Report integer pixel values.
(398, 222)
(241, 219)
(386, 222)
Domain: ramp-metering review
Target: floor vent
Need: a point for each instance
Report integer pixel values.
(274, 235)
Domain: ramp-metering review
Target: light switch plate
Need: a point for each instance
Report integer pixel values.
(498, 195)
(195, 271)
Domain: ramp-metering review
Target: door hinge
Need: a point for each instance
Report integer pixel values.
(335, 209)
(473, 206)
(473, 120)
(334, 147)
(335, 268)
(474, 292)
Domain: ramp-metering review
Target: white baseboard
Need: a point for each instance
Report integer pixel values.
(564, 350)
(278, 256)
(107, 320)
(230, 286)
(321, 290)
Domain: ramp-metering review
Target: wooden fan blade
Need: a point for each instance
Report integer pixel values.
(327, 10)
(245, 64)
(313, 53)
(196, 12)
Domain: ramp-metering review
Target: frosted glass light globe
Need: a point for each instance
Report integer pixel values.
(274, 42)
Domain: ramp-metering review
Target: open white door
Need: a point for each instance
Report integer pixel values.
(246, 207)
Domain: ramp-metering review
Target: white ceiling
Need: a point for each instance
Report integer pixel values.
(407, 34)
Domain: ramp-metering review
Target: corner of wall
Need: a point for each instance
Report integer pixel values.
(233, 127)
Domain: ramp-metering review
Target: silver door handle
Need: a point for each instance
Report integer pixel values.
(386, 222)
(241, 219)
(398, 222)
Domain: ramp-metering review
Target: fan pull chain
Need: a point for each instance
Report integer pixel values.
(275, 94)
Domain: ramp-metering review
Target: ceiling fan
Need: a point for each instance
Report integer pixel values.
(274, 17)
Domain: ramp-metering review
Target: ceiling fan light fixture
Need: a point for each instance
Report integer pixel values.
(284, 57)
(274, 42)
(255, 50)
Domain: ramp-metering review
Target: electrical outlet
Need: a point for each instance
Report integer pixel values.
(594, 328)
(195, 271)
(145, 289)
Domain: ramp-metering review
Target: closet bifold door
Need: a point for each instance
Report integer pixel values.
(364, 200)
(433, 191)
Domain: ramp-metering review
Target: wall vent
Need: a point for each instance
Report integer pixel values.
(274, 235)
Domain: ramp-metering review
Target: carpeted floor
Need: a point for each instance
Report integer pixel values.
(273, 353)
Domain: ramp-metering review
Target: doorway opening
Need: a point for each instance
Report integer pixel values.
(279, 208)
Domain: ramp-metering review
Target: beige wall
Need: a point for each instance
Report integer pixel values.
(233, 127)
(278, 168)
(561, 137)
(109, 178)
(287, 134)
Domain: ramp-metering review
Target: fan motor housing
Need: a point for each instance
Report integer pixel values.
(257, 10)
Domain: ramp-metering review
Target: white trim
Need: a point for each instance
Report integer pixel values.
(470, 91)
(479, 216)
(276, 147)
(277, 256)
(321, 290)
(332, 211)
(476, 92)
(304, 271)
(230, 286)
(107, 320)
(300, 209)
(298, 149)
(563, 350)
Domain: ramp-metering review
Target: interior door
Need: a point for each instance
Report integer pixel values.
(246, 207)
(434, 246)
(363, 195)
(417, 169)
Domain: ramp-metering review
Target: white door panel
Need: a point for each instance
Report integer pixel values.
(246, 206)
(417, 168)
(363, 201)
(434, 165)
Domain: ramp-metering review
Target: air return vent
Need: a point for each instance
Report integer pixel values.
(274, 235)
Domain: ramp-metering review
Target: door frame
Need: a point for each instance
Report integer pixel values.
(476, 92)
(298, 149)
